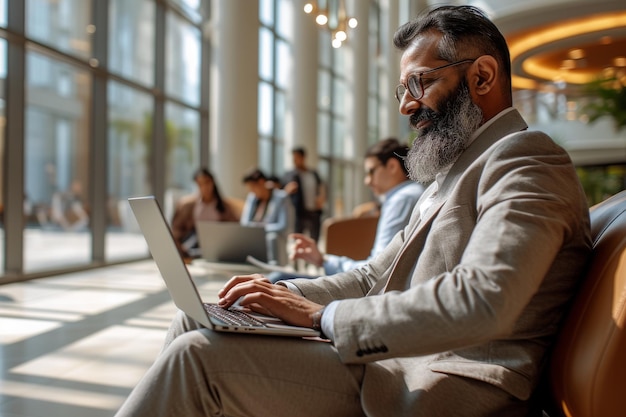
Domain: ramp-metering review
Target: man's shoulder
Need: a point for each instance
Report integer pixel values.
(409, 190)
(528, 141)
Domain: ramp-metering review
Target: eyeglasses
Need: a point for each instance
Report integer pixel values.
(372, 170)
(414, 84)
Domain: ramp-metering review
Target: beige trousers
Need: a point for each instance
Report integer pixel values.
(203, 373)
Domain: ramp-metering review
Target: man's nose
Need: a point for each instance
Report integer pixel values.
(408, 105)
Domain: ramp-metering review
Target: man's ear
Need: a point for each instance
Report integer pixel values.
(483, 74)
(394, 164)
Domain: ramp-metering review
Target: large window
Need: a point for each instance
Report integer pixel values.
(182, 70)
(275, 56)
(112, 108)
(337, 156)
(131, 37)
(129, 168)
(64, 25)
(56, 170)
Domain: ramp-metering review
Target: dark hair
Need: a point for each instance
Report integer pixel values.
(204, 172)
(387, 149)
(253, 175)
(467, 33)
(299, 150)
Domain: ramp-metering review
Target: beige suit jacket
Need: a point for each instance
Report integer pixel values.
(479, 286)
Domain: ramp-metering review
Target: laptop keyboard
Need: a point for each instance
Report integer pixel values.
(232, 317)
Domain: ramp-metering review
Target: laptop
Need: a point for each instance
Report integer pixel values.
(183, 290)
(230, 242)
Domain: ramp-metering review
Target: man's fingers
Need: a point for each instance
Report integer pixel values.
(238, 280)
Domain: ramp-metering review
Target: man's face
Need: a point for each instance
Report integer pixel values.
(257, 188)
(445, 117)
(376, 175)
(298, 160)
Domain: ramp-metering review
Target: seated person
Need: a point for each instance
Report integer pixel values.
(206, 204)
(387, 176)
(268, 207)
(67, 209)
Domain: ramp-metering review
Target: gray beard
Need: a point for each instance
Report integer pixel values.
(438, 146)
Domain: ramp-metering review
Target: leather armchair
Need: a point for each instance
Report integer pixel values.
(587, 371)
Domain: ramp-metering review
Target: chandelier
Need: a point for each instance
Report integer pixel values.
(332, 15)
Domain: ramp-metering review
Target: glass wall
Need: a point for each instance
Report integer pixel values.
(56, 173)
(337, 157)
(112, 108)
(131, 34)
(275, 56)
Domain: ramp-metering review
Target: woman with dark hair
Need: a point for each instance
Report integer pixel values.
(206, 204)
(271, 208)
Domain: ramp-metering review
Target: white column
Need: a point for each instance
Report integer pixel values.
(358, 125)
(390, 118)
(301, 128)
(234, 92)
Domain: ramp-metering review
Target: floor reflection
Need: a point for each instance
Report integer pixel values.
(75, 345)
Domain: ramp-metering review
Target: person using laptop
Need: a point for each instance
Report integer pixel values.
(269, 207)
(456, 316)
(206, 204)
(387, 177)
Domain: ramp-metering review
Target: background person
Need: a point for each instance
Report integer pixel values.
(67, 209)
(308, 195)
(269, 207)
(206, 204)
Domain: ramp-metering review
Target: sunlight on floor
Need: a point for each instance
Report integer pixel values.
(75, 345)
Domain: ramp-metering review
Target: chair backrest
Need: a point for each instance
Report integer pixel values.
(352, 236)
(588, 366)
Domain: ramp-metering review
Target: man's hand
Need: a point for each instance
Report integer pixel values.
(306, 248)
(258, 294)
(291, 187)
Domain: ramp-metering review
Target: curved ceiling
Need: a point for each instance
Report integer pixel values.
(556, 41)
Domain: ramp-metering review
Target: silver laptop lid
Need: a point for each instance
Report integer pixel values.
(231, 242)
(165, 254)
(178, 280)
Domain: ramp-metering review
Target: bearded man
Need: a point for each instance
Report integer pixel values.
(455, 316)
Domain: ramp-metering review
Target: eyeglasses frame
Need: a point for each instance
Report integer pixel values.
(419, 76)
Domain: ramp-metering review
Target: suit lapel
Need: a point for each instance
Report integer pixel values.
(406, 260)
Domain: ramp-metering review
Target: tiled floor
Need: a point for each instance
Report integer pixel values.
(75, 345)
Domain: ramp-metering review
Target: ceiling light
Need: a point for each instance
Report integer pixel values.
(606, 40)
(321, 19)
(524, 45)
(619, 61)
(576, 53)
(333, 16)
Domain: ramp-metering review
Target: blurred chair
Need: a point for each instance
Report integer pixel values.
(367, 209)
(587, 372)
(352, 236)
